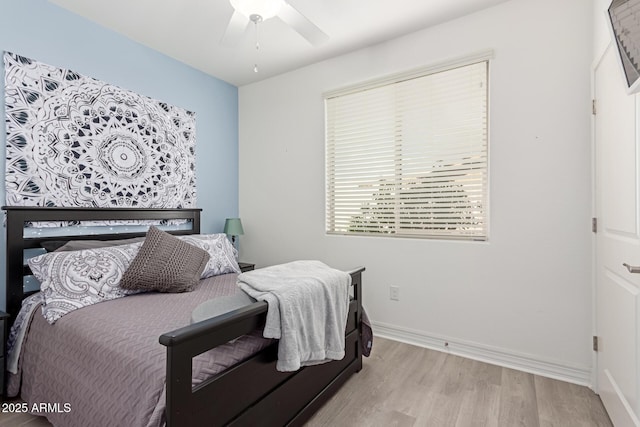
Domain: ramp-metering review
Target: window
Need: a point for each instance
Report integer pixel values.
(408, 155)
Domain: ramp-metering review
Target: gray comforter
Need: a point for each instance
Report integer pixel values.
(105, 360)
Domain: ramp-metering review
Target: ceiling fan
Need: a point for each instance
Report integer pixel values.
(257, 11)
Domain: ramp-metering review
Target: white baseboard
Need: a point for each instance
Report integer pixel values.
(494, 355)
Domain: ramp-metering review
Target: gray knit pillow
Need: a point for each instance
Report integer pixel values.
(165, 264)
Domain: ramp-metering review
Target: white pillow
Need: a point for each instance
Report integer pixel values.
(76, 279)
(222, 254)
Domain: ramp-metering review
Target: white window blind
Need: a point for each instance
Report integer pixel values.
(409, 157)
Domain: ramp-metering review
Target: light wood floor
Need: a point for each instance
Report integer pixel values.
(22, 420)
(403, 385)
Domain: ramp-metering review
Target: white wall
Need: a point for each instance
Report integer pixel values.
(524, 297)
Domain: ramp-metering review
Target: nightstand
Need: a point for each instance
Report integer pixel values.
(4, 323)
(245, 266)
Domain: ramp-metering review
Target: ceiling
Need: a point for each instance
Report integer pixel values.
(190, 30)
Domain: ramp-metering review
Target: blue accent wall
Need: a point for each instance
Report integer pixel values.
(43, 31)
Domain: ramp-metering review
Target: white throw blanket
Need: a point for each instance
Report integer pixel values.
(308, 306)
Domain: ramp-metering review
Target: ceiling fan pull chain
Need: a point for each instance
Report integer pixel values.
(256, 19)
(257, 41)
(255, 65)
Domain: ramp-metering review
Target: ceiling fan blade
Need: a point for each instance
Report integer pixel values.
(235, 30)
(302, 25)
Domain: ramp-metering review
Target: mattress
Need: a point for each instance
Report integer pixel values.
(104, 366)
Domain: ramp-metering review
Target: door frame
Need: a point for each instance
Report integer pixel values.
(594, 238)
(594, 212)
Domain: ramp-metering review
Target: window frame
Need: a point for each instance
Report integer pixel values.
(397, 231)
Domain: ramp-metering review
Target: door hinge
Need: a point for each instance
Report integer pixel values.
(593, 107)
(595, 343)
(594, 225)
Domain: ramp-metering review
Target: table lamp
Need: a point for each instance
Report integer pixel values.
(233, 228)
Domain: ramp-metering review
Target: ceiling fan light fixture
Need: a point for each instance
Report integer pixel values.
(265, 8)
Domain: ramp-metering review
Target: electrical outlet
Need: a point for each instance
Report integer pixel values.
(394, 293)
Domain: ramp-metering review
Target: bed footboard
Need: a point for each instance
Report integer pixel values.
(253, 392)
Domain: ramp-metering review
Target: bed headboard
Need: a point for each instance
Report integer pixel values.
(17, 242)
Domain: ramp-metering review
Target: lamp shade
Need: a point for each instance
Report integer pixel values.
(233, 227)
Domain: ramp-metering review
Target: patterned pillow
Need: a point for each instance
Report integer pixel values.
(165, 264)
(72, 280)
(221, 252)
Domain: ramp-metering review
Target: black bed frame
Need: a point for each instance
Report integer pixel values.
(248, 394)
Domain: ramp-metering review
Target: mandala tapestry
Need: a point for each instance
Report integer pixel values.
(76, 141)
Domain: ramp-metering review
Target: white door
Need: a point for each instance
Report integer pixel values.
(617, 241)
